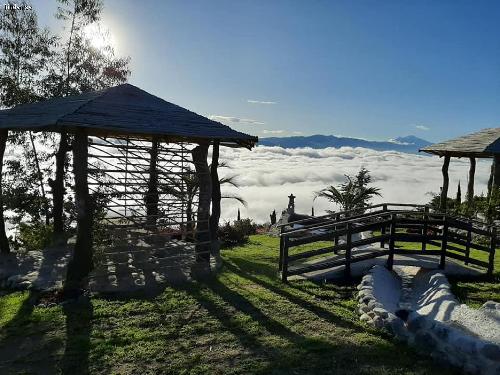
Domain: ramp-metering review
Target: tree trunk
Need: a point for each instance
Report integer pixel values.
(57, 187)
(40, 180)
(4, 242)
(81, 263)
(216, 198)
(152, 197)
(446, 181)
(200, 153)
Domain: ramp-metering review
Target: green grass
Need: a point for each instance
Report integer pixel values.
(241, 321)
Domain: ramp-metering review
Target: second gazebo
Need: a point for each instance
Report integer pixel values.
(483, 144)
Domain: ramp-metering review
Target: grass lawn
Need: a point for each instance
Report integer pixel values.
(241, 321)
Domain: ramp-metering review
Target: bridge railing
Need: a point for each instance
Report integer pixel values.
(451, 236)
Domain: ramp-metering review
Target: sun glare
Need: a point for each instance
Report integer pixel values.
(98, 36)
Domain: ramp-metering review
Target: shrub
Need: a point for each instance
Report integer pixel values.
(236, 233)
(33, 236)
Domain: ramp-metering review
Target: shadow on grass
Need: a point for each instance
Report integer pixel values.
(319, 311)
(78, 330)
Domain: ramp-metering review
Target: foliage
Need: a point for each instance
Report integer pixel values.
(33, 236)
(25, 52)
(236, 233)
(353, 194)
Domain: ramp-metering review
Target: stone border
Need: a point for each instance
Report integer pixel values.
(443, 341)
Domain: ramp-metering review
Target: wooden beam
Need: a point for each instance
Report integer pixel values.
(200, 153)
(470, 186)
(152, 197)
(446, 182)
(216, 198)
(81, 263)
(4, 242)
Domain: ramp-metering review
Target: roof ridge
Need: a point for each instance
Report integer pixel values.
(101, 92)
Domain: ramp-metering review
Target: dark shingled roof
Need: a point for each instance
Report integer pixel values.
(121, 110)
(483, 144)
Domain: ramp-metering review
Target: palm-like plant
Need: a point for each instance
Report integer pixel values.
(186, 189)
(354, 194)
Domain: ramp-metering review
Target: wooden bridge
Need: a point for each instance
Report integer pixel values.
(330, 241)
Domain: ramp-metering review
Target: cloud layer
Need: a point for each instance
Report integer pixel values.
(267, 175)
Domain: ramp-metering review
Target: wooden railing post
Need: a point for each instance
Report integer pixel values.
(444, 243)
(280, 262)
(493, 245)
(467, 244)
(336, 239)
(348, 251)
(425, 228)
(390, 258)
(382, 230)
(284, 267)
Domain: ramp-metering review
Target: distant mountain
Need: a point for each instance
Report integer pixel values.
(409, 144)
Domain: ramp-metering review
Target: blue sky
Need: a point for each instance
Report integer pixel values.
(368, 69)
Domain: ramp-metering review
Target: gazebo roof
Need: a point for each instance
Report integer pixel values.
(483, 144)
(121, 110)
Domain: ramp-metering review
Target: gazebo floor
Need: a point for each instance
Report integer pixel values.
(131, 268)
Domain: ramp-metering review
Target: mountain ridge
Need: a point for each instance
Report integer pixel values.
(408, 144)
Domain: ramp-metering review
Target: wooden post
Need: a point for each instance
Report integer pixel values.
(336, 238)
(494, 189)
(348, 251)
(280, 265)
(216, 198)
(467, 244)
(200, 153)
(425, 228)
(470, 185)
(81, 263)
(4, 242)
(493, 245)
(392, 229)
(284, 266)
(152, 197)
(444, 243)
(57, 187)
(383, 229)
(446, 181)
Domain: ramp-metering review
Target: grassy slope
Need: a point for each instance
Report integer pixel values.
(242, 321)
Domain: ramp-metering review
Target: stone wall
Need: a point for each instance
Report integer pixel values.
(446, 341)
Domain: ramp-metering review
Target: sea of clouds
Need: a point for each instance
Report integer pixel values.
(267, 175)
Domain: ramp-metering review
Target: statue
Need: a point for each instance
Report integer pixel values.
(291, 202)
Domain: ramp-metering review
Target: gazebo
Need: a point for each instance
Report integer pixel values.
(483, 144)
(143, 157)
